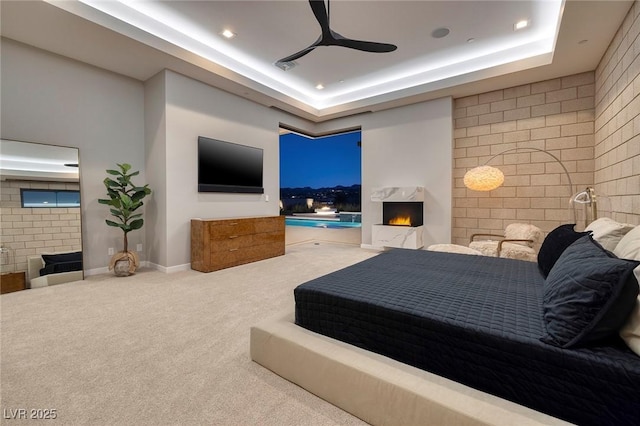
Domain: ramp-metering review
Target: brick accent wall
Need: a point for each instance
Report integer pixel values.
(30, 231)
(617, 124)
(555, 115)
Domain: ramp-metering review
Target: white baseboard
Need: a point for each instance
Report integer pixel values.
(96, 271)
(169, 269)
(144, 263)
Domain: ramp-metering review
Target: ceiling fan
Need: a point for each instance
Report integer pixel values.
(332, 38)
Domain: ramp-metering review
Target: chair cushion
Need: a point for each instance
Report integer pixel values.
(518, 251)
(486, 247)
(523, 231)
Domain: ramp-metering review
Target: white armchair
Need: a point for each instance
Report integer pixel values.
(517, 242)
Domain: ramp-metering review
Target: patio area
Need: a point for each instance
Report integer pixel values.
(301, 234)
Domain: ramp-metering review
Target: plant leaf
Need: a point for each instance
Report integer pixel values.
(110, 183)
(136, 224)
(116, 213)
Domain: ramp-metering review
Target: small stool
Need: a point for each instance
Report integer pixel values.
(454, 248)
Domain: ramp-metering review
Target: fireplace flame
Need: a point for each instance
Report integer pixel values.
(400, 220)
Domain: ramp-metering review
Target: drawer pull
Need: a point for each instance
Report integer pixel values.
(231, 237)
(233, 223)
(234, 249)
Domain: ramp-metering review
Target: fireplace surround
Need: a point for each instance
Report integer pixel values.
(402, 217)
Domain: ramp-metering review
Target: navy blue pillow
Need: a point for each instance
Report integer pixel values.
(55, 268)
(588, 294)
(555, 244)
(50, 259)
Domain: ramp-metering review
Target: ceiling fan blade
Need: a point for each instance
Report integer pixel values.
(320, 12)
(297, 55)
(366, 46)
(332, 38)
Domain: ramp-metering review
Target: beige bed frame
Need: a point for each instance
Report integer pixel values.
(374, 388)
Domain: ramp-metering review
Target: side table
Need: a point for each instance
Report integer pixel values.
(12, 281)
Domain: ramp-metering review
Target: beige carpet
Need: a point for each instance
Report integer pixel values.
(159, 349)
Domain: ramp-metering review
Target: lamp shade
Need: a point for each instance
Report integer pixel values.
(483, 178)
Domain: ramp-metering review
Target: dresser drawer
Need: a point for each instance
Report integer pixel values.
(269, 225)
(242, 255)
(233, 242)
(230, 228)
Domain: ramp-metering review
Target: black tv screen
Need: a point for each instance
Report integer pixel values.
(229, 167)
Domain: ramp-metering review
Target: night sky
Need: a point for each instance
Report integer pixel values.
(322, 162)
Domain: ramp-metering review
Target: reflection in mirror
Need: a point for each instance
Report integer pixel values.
(40, 205)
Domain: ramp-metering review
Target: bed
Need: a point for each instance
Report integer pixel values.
(418, 337)
(475, 320)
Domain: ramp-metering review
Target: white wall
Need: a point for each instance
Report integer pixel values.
(155, 125)
(54, 100)
(407, 146)
(195, 109)
(155, 134)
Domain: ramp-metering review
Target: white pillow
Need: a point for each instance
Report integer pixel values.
(608, 232)
(629, 245)
(630, 331)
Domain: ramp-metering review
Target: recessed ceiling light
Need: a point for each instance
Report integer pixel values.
(471, 40)
(440, 32)
(319, 86)
(520, 25)
(228, 33)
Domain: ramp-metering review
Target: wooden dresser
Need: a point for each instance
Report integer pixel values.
(222, 243)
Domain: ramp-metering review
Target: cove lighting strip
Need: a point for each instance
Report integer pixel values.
(157, 19)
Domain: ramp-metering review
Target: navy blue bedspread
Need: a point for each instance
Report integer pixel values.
(476, 320)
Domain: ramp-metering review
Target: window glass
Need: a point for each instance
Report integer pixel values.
(49, 198)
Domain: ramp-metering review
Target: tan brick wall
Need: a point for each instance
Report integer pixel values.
(555, 115)
(617, 124)
(30, 231)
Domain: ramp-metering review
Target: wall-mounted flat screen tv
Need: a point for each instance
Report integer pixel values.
(229, 167)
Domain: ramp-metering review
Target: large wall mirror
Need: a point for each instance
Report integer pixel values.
(40, 202)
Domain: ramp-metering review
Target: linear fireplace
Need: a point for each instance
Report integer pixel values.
(402, 217)
(407, 213)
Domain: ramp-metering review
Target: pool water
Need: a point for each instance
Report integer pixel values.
(315, 223)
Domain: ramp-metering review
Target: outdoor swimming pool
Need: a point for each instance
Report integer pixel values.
(318, 223)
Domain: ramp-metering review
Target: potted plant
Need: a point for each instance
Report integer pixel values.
(124, 199)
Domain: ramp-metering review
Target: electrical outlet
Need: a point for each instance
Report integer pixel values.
(111, 251)
(266, 198)
(139, 247)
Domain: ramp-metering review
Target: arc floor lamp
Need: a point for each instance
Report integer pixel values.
(488, 178)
